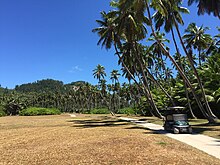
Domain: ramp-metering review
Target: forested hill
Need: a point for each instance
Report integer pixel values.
(46, 85)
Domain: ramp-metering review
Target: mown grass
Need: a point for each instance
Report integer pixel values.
(89, 140)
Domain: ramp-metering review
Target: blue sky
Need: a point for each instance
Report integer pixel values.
(42, 39)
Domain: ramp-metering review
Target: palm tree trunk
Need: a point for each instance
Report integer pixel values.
(160, 86)
(181, 66)
(200, 58)
(146, 85)
(145, 89)
(208, 109)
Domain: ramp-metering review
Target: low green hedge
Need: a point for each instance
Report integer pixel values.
(34, 111)
(99, 111)
(2, 111)
(128, 111)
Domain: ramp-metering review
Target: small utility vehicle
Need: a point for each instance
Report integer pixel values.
(176, 121)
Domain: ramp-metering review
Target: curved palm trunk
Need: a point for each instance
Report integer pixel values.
(146, 92)
(150, 100)
(200, 63)
(209, 118)
(146, 84)
(208, 109)
(160, 86)
(181, 66)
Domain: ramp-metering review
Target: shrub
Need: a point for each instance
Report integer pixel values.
(99, 111)
(128, 111)
(2, 111)
(33, 111)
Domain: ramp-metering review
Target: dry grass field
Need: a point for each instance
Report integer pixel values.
(89, 140)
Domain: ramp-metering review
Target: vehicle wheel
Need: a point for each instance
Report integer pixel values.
(176, 130)
(190, 130)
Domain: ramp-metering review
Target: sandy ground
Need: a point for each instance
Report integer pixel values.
(89, 140)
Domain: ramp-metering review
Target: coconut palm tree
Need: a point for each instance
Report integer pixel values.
(114, 77)
(99, 72)
(128, 30)
(173, 14)
(163, 10)
(207, 6)
(195, 37)
(106, 29)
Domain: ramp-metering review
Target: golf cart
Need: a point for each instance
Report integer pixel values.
(176, 120)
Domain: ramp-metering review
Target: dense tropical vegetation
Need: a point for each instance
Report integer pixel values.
(136, 30)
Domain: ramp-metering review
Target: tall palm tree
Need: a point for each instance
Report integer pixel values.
(124, 28)
(106, 29)
(99, 72)
(195, 37)
(207, 6)
(174, 4)
(168, 20)
(114, 76)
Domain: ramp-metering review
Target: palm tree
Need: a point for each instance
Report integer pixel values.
(114, 77)
(173, 14)
(126, 25)
(207, 6)
(174, 4)
(215, 45)
(99, 72)
(106, 29)
(196, 38)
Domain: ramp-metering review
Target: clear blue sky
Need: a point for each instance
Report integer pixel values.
(42, 39)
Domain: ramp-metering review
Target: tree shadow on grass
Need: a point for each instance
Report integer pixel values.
(99, 122)
(213, 129)
(149, 131)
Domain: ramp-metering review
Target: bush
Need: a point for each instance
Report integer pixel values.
(128, 111)
(99, 111)
(2, 111)
(34, 111)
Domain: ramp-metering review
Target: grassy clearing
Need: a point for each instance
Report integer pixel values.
(89, 140)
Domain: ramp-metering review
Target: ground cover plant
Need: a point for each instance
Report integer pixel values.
(89, 140)
(33, 111)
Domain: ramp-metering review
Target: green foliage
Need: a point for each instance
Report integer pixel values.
(99, 111)
(34, 111)
(41, 86)
(77, 83)
(128, 111)
(2, 111)
(162, 143)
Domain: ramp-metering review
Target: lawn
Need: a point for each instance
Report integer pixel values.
(89, 140)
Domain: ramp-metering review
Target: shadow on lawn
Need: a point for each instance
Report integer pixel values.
(99, 122)
(214, 129)
(150, 130)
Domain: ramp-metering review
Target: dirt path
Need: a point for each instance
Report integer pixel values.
(204, 143)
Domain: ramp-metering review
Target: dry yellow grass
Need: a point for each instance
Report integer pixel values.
(89, 140)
